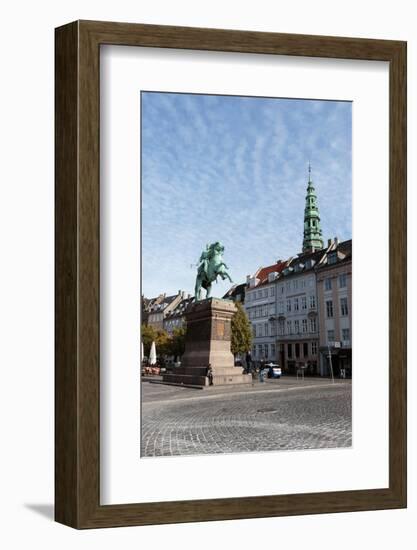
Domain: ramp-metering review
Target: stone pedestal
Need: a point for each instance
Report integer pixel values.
(208, 343)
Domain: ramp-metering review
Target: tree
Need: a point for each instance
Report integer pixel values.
(178, 341)
(163, 343)
(241, 340)
(161, 338)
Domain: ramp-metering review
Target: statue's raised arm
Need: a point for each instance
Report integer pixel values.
(211, 265)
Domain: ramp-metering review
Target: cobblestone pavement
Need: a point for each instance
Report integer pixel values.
(266, 417)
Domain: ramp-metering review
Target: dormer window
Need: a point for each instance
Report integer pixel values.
(332, 258)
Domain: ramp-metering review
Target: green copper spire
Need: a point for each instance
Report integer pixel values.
(313, 239)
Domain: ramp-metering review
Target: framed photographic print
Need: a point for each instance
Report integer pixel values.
(230, 274)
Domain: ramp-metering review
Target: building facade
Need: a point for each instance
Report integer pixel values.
(297, 314)
(155, 310)
(297, 304)
(260, 307)
(175, 318)
(300, 309)
(334, 290)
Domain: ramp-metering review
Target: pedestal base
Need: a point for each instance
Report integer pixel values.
(208, 343)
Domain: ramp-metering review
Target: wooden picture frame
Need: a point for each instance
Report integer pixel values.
(77, 382)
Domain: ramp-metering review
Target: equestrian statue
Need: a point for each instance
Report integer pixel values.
(210, 266)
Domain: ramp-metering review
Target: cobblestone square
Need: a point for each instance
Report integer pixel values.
(283, 414)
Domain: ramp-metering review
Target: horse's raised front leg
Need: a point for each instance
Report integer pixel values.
(225, 275)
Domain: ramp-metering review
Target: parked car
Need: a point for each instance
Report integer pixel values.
(274, 371)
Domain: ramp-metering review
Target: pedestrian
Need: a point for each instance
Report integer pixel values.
(261, 374)
(209, 374)
(248, 363)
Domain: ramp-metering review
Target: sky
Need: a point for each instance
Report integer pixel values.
(235, 169)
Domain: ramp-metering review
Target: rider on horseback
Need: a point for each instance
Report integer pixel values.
(211, 265)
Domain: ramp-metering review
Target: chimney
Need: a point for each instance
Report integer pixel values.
(247, 279)
(336, 241)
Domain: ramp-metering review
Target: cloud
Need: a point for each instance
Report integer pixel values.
(235, 169)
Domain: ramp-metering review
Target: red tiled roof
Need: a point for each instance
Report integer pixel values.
(263, 272)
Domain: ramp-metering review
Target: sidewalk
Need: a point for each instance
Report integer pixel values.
(152, 388)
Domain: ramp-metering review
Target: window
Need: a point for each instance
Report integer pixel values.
(265, 292)
(312, 301)
(303, 283)
(305, 349)
(266, 351)
(254, 351)
(313, 348)
(289, 327)
(281, 307)
(289, 350)
(295, 304)
(304, 325)
(288, 305)
(303, 302)
(297, 350)
(343, 306)
(342, 280)
(330, 336)
(254, 330)
(272, 291)
(266, 329)
(281, 328)
(297, 326)
(260, 351)
(313, 325)
(281, 289)
(329, 308)
(272, 351)
(288, 286)
(332, 258)
(272, 329)
(295, 285)
(327, 284)
(345, 334)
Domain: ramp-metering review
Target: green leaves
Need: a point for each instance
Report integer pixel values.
(241, 331)
(165, 345)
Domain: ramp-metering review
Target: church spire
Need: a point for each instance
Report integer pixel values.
(313, 239)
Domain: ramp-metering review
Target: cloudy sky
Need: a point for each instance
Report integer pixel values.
(235, 169)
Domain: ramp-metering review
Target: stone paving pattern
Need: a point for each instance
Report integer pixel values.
(277, 415)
